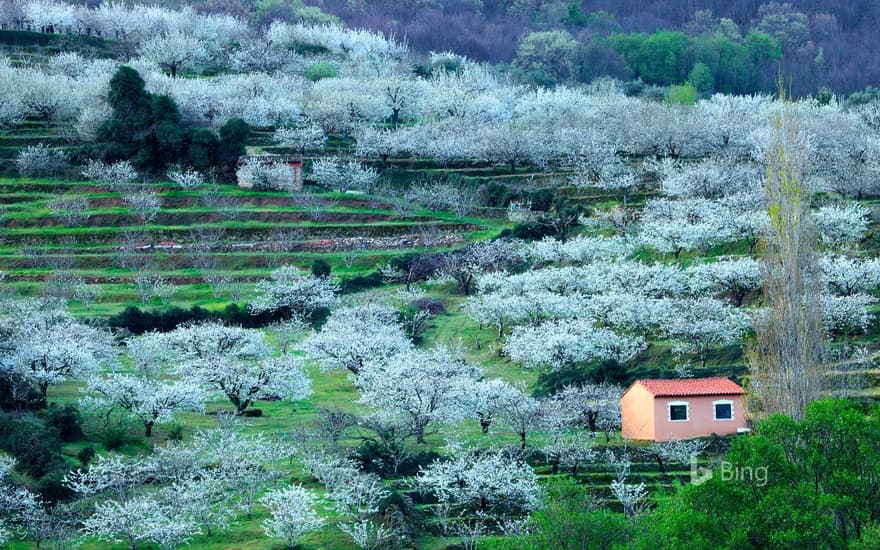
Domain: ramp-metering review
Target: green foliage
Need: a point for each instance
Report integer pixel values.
(571, 519)
(374, 279)
(542, 199)
(233, 140)
(318, 71)
(122, 135)
(200, 150)
(66, 420)
(574, 15)
(864, 97)
(711, 62)
(263, 12)
(497, 195)
(701, 78)
(684, 94)
(529, 231)
(609, 371)
(807, 484)
(661, 58)
(824, 96)
(147, 129)
(163, 141)
(377, 457)
(139, 321)
(320, 268)
(175, 432)
(36, 448)
(113, 437)
(85, 455)
(547, 55)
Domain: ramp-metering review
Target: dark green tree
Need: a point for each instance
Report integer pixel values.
(701, 78)
(144, 128)
(791, 484)
(233, 138)
(122, 135)
(163, 141)
(201, 149)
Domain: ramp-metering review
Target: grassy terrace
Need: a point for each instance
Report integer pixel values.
(34, 242)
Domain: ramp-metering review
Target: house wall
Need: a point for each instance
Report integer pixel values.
(637, 413)
(700, 422)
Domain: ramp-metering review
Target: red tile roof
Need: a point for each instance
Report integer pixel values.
(691, 386)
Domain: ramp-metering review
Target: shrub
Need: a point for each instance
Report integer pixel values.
(530, 231)
(175, 432)
(85, 455)
(114, 437)
(318, 71)
(496, 195)
(684, 94)
(65, 419)
(138, 321)
(320, 268)
(35, 446)
(541, 200)
(377, 458)
(37, 161)
(361, 282)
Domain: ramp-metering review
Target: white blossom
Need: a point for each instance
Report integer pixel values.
(559, 344)
(291, 289)
(292, 514)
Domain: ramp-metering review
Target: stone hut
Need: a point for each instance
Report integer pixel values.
(257, 171)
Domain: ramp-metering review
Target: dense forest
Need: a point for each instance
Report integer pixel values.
(818, 44)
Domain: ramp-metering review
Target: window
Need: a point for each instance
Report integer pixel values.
(723, 410)
(678, 411)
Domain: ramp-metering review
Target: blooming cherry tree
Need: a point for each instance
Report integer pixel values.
(564, 343)
(354, 337)
(733, 278)
(42, 344)
(842, 226)
(237, 362)
(292, 514)
(292, 290)
(421, 386)
(484, 482)
(703, 323)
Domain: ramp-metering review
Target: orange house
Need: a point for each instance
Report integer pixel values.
(660, 410)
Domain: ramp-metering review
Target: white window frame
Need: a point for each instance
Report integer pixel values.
(687, 410)
(722, 402)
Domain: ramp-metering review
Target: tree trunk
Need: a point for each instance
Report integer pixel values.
(591, 421)
(148, 428)
(485, 422)
(522, 440)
